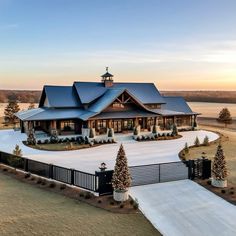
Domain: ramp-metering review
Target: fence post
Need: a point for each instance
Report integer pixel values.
(206, 169)
(191, 169)
(50, 171)
(0, 157)
(72, 180)
(26, 165)
(159, 173)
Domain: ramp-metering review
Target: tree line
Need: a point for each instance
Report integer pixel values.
(21, 96)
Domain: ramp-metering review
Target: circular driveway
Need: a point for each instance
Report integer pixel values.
(88, 160)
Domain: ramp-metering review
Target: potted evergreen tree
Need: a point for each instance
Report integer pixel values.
(121, 179)
(219, 170)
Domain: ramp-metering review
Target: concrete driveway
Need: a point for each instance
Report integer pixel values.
(185, 208)
(138, 153)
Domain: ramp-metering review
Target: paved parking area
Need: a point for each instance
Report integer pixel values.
(138, 153)
(183, 208)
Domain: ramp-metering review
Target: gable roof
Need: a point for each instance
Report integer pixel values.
(146, 93)
(108, 97)
(60, 96)
(177, 104)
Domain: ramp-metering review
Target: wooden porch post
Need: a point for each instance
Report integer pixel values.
(109, 124)
(136, 122)
(164, 123)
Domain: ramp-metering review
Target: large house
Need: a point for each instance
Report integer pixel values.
(101, 105)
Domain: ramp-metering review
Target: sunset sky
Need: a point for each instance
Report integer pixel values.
(177, 44)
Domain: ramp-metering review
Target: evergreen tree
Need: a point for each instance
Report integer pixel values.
(206, 141)
(121, 179)
(154, 129)
(110, 133)
(174, 130)
(219, 170)
(135, 131)
(225, 117)
(186, 148)
(197, 142)
(91, 133)
(31, 106)
(10, 111)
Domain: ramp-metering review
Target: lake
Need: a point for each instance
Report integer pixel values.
(206, 108)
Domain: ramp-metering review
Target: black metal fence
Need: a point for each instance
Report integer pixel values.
(65, 175)
(101, 181)
(158, 173)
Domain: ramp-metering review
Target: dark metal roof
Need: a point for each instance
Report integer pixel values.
(176, 104)
(54, 114)
(107, 75)
(147, 93)
(60, 96)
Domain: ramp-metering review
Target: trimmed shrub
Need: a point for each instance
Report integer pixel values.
(39, 142)
(112, 203)
(88, 195)
(39, 181)
(231, 192)
(135, 206)
(27, 175)
(62, 186)
(52, 185)
(81, 194)
(46, 141)
(223, 191)
(131, 202)
(99, 201)
(86, 141)
(121, 206)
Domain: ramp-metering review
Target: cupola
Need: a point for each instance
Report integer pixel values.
(107, 79)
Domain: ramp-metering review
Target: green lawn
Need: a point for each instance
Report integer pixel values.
(27, 210)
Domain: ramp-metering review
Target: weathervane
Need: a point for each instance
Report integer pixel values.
(107, 68)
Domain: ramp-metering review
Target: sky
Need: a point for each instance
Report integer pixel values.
(176, 44)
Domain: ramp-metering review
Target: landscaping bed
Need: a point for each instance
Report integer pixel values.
(143, 138)
(67, 144)
(228, 194)
(104, 202)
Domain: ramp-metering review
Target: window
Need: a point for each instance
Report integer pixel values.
(153, 106)
(128, 124)
(101, 124)
(68, 125)
(117, 105)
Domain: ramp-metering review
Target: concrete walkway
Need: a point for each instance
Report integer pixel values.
(89, 159)
(185, 208)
